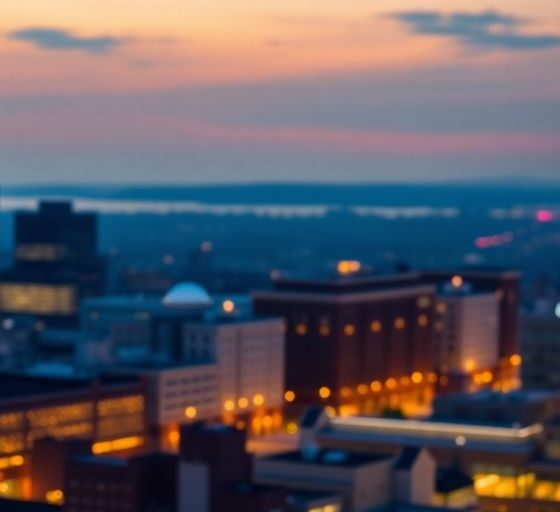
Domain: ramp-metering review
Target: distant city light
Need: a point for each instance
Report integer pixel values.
(346, 267)
(229, 405)
(243, 403)
(515, 360)
(190, 412)
(289, 396)
(228, 306)
(460, 440)
(258, 400)
(457, 281)
(544, 216)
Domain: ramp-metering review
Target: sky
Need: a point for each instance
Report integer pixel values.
(201, 91)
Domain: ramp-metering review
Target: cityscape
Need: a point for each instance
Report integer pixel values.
(280, 257)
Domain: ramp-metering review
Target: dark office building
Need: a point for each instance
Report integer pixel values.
(350, 333)
(505, 284)
(106, 484)
(55, 264)
(215, 473)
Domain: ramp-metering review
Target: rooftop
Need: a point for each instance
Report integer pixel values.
(329, 458)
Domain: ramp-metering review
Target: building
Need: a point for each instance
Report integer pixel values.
(514, 466)
(177, 393)
(239, 356)
(55, 264)
(540, 348)
(215, 473)
(106, 484)
(505, 285)
(249, 353)
(466, 340)
(363, 480)
(109, 411)
(352, 340)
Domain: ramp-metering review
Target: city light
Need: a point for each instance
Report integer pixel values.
(228, 306)
(376, 386)
(456, 281)
(243, 403)
(229, 405)
(347, 267)
(258, 400)
(417, 377)
(324, 392)
(190, 412)
(289, 396)
(55, 496)
(515, 360)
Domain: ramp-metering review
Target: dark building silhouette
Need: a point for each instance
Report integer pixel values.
(55, 264)
(215, 473)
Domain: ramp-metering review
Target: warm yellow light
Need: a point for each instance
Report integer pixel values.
(470, 365)
(229, 405)
(16, 460)
(258, 400)
(346, 267)
(123, 443)
(345, 392)
(324, 330)
(417, 377)
(487, 377)
(423, 320)
(289, 396)
(4, 487)
(363, 389)
(267, 421)
(301, 329)
(228, 306)
(432, 377)
(292, 428)
(405, 381)
(375, 326)
(376, 386)
(243, 403)
(515, 360)
(399, 323)
(190, 412)
(349, 330)
(457, 281)
(324, 392)
(391, 383)
(330, 412)
(54, 496)
(173, 437)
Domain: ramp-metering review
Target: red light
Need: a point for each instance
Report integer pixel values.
(545, 216)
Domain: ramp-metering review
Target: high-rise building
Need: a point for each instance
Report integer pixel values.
(505, 285)
(55, 264)
(350, 337)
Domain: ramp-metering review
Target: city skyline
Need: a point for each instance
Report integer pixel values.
(396, 91)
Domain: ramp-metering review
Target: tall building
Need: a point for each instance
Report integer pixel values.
(540, 348)
(465, 330)
(55, 264)
(505, 285)
(349, 337)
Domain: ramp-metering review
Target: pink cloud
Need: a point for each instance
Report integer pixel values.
(110, 130)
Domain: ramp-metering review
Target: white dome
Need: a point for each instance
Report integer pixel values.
(187, 295)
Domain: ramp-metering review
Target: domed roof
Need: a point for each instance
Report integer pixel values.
(187, 295)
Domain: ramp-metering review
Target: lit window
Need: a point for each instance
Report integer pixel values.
(301, 329)
(399, 323)
(324, 330)
(289, 396)
(363, 389)
(417, 377)
(376, 326)
(345, 392)
(349, 330)
(515, 360)
(376, 386)
(422, 320)
(424, 302)
(441, 308)
(324, 392)
(391, 383)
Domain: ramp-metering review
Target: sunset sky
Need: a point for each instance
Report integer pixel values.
(194, 91)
